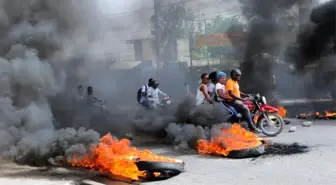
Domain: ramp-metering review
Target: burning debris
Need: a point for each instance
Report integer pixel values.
(229, 140)
(285, 149)
(118, 158)
(236, 142)
(317, 115)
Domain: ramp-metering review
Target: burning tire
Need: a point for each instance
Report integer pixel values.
(246, 153)
(160, 170)
(277, 123)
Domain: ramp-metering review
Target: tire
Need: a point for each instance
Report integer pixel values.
(247, 153)
(280, 122)
(153, 166)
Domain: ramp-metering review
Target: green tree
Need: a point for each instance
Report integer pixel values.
(174, 22)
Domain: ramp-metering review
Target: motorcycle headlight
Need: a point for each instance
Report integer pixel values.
(168, 102)
(263, 100)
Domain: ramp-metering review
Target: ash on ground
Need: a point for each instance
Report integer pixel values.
(285, 149)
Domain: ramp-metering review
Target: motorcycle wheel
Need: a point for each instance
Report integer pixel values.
(262, 123)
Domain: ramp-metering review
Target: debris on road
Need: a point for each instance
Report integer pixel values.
(317, 115)
(307, 124)
(286, 149)
(292, 129)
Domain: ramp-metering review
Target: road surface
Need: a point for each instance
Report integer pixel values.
(313, 168)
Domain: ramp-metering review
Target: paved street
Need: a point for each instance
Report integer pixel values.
(314, 168)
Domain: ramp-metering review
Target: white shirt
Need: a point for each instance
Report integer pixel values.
(143, 90)
(153, 95)
(219, 86)
(200, 98)
(211, 88)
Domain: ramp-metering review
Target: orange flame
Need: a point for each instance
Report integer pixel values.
(235, 138)
(282, 111)
(318, 115)
(330, 114)
(117, 157)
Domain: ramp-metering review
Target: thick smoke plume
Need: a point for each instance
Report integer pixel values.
(313, 53)
(265, 38)
(43, 45)
(45, 48)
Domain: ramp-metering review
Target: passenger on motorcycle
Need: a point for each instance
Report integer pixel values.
(142, 93)
(202, 95)
(220, 87)
(235, 98)
(154, 94)
(211, 87)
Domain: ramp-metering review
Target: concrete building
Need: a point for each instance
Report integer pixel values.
(135, 32)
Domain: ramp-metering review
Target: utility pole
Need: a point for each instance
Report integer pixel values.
(157, 7)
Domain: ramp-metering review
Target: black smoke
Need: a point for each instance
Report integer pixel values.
(313, 53)
(263, 42)
(49, 47)
(44, 45)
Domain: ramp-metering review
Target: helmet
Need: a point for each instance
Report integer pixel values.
(235, 72)
(220, 74)
(150, 82)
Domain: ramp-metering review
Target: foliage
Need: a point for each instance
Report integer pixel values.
(174, 20)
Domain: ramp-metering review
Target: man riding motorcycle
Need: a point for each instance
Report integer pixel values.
(142, 93)
(235, 98)
(154, 94)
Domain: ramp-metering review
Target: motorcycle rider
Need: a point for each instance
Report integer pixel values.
(211, 87)
(154, 94)
(142, 93)
(235, 98)
(202, 92)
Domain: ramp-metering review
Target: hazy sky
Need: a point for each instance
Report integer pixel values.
(118, 6)
(323, 1)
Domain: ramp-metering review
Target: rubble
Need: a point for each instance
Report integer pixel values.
(292, 129)
(307, 124)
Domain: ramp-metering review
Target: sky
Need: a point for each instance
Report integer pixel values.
(323, 1)
(118, 6)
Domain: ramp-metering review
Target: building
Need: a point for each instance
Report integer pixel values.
(136, 29)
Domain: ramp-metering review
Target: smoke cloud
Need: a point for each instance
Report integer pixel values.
(44, 46)
(313, 53)
(266, 35)
(48, 48)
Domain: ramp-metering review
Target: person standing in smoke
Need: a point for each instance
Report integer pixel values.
(235, 98)
(80, 95)
(92, 100)
(202, 92)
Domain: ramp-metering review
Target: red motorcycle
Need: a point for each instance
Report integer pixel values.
(264, 116)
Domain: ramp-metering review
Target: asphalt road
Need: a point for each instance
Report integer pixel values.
(313, 168)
